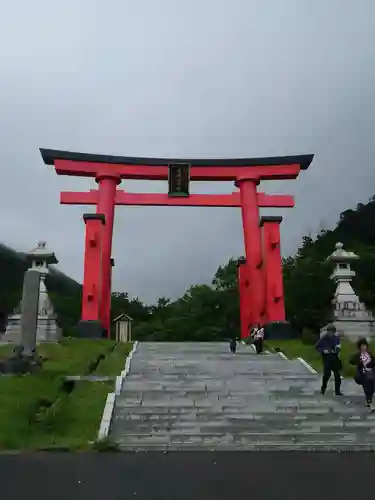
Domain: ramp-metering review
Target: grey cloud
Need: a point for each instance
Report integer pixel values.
(198, 78)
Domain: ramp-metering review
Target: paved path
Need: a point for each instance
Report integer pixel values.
(197, 396)
(185, 476)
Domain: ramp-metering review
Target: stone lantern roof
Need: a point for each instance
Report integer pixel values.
(41, 253)
(341, 255)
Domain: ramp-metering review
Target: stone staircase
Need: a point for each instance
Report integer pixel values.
(197, 396)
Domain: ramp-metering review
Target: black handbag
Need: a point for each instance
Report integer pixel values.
(358, 378)
(369, 375)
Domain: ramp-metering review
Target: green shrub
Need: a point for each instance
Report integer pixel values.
(308, 337)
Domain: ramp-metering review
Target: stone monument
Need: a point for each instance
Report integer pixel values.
(350, 316)
(24, 358)
(47, 328)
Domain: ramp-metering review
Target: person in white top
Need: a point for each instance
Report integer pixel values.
(258, 338)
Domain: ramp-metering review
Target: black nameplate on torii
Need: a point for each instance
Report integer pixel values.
(178, 179)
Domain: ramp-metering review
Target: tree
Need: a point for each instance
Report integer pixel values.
(226, 276)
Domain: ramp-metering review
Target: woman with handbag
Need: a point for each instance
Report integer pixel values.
(364, 361)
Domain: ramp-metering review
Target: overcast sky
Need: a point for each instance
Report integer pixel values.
(190, 78)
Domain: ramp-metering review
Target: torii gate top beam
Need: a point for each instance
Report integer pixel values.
(91, 165)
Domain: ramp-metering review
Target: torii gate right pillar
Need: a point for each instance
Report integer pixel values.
(272, 266)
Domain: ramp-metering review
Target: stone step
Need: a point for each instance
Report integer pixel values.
(249, 420)
(196, 428)
(275, 446)
(175, 435)
(259, 405)
(219, 364)
(249, 375)
(270, 419)
(278, 391)
(235, 383)
(233, 413)
(257, 393)
(245, 441)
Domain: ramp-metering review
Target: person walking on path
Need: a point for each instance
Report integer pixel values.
(364, 361)
(233, 345)
(258, 339)
(252, 331)
(329, 346)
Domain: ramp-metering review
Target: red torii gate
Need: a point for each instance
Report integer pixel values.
(108, 172)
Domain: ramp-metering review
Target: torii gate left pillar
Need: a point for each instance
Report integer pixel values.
(90, 325)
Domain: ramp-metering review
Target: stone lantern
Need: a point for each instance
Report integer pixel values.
(349, 314)
(39, 258)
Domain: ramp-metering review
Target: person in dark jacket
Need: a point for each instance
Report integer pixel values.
(233, 345)
(329, 346)
(364, 361)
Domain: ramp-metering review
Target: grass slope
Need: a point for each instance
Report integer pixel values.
(43, 411)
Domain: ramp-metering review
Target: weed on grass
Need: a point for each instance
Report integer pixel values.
(114, 362)
(105, 445)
